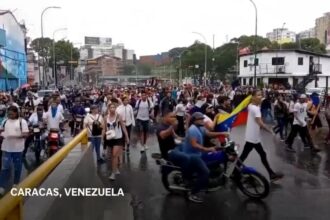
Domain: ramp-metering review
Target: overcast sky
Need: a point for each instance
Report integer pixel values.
(154, 26)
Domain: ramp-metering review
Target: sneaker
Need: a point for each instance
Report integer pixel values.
(290, 149)
(112, 176)
(196, 198)
(142, 149)
(117, 172)
(276, 176)
(282, 140)
(2, 191)
(146, 147)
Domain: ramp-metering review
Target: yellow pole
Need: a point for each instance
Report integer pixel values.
(11, 206)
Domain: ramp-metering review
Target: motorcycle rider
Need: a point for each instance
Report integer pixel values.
(53, 118)
(77, 111)
(36, 119)
(194, 147)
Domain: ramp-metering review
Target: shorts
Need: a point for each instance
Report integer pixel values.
(142, 125)
(114, 142)
(317, 123)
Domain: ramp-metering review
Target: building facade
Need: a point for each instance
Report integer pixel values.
(103, 66)
(13, 68)
(156, 60)
(296, 68)
(322, 29)
(281, 35)
(310, 33)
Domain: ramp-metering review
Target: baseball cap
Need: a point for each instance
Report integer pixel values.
(197, 116)
(302, 96)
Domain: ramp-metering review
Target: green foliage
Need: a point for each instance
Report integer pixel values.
(42, 46)
(313, 45)
(63, 52)
(143, 69)
(128, 69)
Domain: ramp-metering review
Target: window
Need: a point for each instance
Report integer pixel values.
(300, 61)
(244, 81)
(276, 61)
(245, 63)
(257, 62)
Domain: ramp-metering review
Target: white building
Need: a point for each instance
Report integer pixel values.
(281, 35)
(310, 33)
(296, 67)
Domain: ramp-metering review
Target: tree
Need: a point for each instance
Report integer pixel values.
(42, 46)
(128, 69)
(143, 69)
(313, 45)
(63, 53)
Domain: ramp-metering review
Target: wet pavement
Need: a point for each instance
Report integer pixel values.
(303, 194)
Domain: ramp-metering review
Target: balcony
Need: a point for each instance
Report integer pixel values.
(268, 68)
(315, 69)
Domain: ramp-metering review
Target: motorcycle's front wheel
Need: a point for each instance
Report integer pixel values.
(253, 185)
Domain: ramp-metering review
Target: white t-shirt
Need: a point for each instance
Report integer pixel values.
(143, 110)
(13, 128)
(180, 110)
(53, 122)
(127, 114)
(252, 132)
(33, 120)
(301, 111)
(89, 120)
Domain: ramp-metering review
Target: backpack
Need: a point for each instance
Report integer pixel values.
(96, 127)
(138, 106)
(5, 121)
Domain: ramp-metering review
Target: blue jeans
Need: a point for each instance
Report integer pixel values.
(7, 159)
(96, 143)
(280, 126)
(198, 166)
(180, 159)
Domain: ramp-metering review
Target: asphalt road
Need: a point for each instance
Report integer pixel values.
(303, 194)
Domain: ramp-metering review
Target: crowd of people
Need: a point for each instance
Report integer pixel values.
(184, 114)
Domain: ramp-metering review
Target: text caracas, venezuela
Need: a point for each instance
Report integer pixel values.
(35, 192)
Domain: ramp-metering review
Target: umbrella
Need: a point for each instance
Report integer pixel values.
(26, 85)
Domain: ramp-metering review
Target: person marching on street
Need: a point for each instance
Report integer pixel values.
(126, 112)
(253, 135)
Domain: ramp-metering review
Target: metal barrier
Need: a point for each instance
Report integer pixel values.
(11, 207)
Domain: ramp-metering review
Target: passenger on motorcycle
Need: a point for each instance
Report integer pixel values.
(53, 118)
(199, 154)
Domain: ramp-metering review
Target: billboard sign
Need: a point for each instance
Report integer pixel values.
(92, 40)
(104, 41)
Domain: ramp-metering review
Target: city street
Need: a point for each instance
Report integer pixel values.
(303, 194)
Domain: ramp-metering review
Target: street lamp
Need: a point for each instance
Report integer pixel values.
(255, 43)
(71, 72)
(42, 37)
(282, 34)
(54, 60)
(205, 55)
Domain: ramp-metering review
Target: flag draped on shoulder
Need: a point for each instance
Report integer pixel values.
(226, 121)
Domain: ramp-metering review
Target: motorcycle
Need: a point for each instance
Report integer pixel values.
(248, 180)
(53, 142)
(78, 124)
(38, 144)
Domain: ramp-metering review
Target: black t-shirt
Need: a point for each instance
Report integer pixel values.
(165, 144)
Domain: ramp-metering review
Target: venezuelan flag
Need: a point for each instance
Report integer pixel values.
(224, 122)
